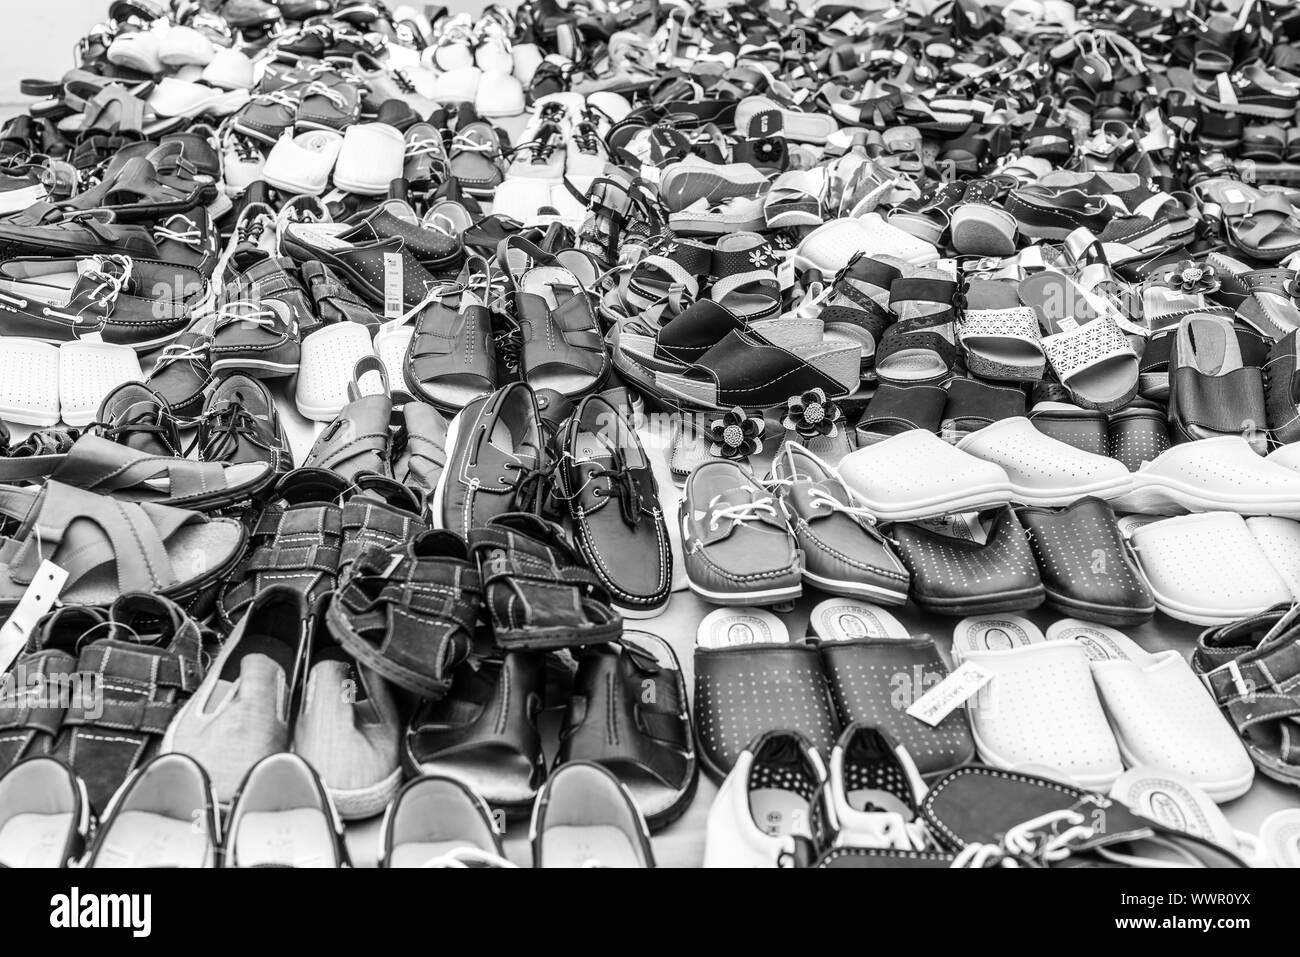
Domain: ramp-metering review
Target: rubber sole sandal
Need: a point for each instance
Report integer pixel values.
(795, 124)
(1222, 474)
(1175, 801)
(1041, 706)
(1263, 224)
(872, 664)
(968, 565)
(644, 740)
(980, 229)
(749, 679)
(1159, 711)
(483, 734)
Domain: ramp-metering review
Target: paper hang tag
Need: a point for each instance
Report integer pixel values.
(785, 274)
(36, 601)
(949, 694)
(394, 283)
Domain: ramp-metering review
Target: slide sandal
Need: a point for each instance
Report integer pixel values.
(1159, 711)
(29, 382)
(1176, 802)
(876, 670)
(1085, 347)
(1041, 707)
(749, 679)
(88, 371)
(329, 356)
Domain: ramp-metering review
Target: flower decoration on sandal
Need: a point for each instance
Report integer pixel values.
(1192, 278)
(736, 435)
(812, 414)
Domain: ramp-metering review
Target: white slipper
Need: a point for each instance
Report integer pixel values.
(527, 57)
(1218, 474)
(839, 619)
(230, 69)
(88, 371)
(185, 46)
(391, 344)
(1288, 456)
(173, 99)
(1045, 471)
(136, 51)
(829, 247)
(1207, 569)
(1041, 707)
(329, 356)
(1160, 712)
(29, 382)
(728, 627)
(1176, 802)
(457, 86)
(916, 474)
(499, 94)
(301, 165)
(1280, 540)
(371, 157)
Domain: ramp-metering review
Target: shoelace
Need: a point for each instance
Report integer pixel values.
(112, 272)
(1034, 841)
(587, 139)
(222, 427)
(278, 97)
(317, 88)
(474, 141)
(424, 146)
(540, 150)
(243, 310)
(175, 352)
(622, 487)
(742, 512)
(467, 857)
(145, 422)
(251, 230)
(188, 237)
(534, 485)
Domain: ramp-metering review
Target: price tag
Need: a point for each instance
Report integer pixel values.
(945, 697)
(36, 601)
(393, 285)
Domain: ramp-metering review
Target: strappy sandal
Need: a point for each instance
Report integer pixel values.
(1250, 668)
(919, 347)
(109, 547)
(408, 612)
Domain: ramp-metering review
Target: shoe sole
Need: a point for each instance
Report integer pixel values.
(767, 596)
(1151, 496)
(856, 589)
(1116, 616)
(709, 184)
(453, 432)
(1269, 112)
(1111, 488)
(252, 365)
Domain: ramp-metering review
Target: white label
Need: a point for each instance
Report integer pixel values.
(948, 695)
(785, 274)
(393, 285)
(36, 601)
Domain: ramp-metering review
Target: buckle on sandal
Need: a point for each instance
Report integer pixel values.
(1244, 688)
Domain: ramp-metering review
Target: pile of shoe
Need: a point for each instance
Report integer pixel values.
(343, 348)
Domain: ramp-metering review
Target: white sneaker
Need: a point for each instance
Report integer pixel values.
(763, 814)
(875, 792)
(587, 156)
(540, 157)
(302, 164)
(242, 163)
